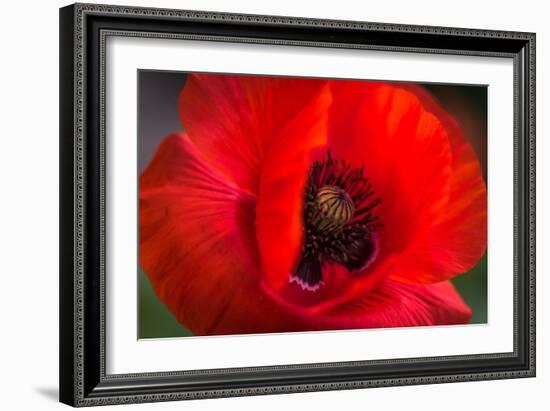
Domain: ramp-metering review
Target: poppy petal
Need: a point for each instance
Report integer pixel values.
(197, 244)
(279, 212)
(395, 304)
(232, 119)
(390, 304)
(424, 172)
(455, 241)
(404, 150)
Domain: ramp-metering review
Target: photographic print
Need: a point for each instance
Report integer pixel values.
(263, 205)
(283, 204)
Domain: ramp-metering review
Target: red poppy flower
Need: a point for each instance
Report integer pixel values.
(308, 204)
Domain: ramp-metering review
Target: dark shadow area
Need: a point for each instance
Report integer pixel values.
(50, 393)
(158, 93)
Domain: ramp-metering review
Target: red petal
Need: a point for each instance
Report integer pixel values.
(390, 304)
(197, 245)
(233, 119)
(433, 197)
(394, 304)
(279, 213)
(457, 239)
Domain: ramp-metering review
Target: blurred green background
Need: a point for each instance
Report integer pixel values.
(472, 286)
(155, 321)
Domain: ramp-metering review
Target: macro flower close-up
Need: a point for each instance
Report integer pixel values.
(300, 204)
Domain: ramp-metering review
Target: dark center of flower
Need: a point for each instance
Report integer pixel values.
(338, 221)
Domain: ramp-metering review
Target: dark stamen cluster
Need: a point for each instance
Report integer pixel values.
(338, 220)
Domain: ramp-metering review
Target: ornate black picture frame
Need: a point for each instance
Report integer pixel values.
(83, 30)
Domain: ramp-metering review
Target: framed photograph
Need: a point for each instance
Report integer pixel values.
(260, 204)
